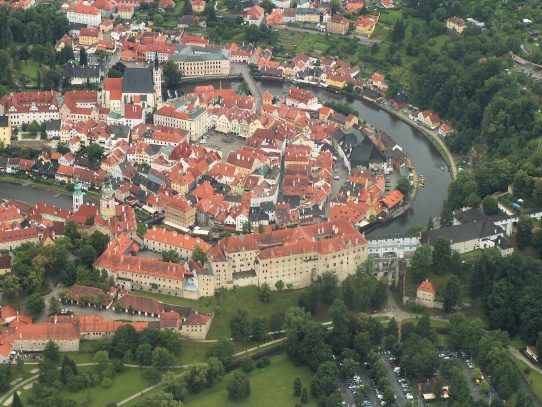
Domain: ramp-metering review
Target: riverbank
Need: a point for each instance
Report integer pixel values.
(433, 138)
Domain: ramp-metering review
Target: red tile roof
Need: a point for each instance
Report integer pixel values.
(427, 286)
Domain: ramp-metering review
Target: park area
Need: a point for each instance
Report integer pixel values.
(270, 386)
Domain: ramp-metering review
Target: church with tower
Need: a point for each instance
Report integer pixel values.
(109, 217)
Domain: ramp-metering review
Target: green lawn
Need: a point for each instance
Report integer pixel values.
(30, 70)
(311, 43)
(533, 378)
(246, 298)
(270, 387)
(124, 385)
(434, 324)
(85, 353)
(193, 352)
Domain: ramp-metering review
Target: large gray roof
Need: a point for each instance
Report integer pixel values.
(195, 54)
(137, 80)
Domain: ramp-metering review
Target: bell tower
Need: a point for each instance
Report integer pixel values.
(157, 79)
(107, 200)
(77, 198)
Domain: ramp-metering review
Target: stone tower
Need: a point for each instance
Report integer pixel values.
(157, 79)
(107, 200)
(77, 198)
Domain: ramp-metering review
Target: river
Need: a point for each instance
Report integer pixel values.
(424, 155)
(31, 195)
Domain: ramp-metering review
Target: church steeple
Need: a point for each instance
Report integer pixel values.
(107, 200)
(77, 197)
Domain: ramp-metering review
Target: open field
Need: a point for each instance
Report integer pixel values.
(270, 387)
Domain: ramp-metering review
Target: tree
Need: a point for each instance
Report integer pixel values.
(95, 151)
(51, 352)
(265, 293)
(335, 6)
(243, 87)
(160, 399)
(404, 185)
(476, 374)
(54, 306)
(114, 73)
(240, 326)
(161, 358)
(238, 387)
(279, 285)
(197, 378)
(223, 350)
(297, 387)
(350, 367)
(125, 338)
(421, 261)
(446, 214)
(199, 255)
(35, 304)
(490, 205)
(259, 329)
(398, 33)
(38, 80)
(171, 341)
(329, 286)
(268, 6)
(171, 73)
(83, 60)
(16, 401)
(525, 231)
(103, 364)
(442, 252)
(451, 293)
(11, 287)
(143, 354)
(325, 381)
(248, 228)
(171, 256)
(276, 321)
(187, 8)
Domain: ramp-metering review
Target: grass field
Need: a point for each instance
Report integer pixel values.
(533, 378)
(434, 324)
(312, 42)
(246, 298)
(270, 387)
(30, 70)
(124, 385)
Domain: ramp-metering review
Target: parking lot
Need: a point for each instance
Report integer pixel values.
(468, 366)
(397, 387)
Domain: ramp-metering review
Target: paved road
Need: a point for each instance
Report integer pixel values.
(362, 40)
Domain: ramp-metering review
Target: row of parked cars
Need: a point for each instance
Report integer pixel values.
(402, 381)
